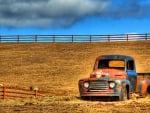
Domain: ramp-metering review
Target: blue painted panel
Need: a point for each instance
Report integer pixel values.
(132, 77)
(131, 73)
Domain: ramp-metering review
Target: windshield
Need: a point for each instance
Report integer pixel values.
(108, 63)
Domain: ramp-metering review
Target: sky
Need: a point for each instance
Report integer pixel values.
(74, 17)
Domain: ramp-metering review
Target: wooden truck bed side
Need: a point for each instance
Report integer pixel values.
(141, 77)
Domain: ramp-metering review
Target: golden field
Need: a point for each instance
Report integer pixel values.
(57, 67)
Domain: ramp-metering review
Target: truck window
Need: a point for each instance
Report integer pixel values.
(130, 65)
(116, 63)
(103, 64)
(111, 63)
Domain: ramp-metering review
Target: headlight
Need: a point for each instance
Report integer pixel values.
(111, 84)
(86, 84)
(118, 82)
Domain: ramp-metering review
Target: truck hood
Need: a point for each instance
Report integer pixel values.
(108, 73)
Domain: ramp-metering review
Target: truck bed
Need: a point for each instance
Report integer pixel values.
(140, 77)
(143, 75)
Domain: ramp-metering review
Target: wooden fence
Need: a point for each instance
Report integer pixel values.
(14, 92)
(73, 38)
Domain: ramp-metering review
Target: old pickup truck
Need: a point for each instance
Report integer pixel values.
(114, 76)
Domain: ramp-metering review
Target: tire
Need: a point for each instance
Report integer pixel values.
(84, 98)
(147, 94)
(123, 95)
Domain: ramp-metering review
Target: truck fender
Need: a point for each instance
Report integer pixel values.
(126, 84)
(144, 86)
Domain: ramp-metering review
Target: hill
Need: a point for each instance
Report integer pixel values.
(59, 66)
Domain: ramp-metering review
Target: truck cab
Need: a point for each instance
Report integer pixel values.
(112, 76)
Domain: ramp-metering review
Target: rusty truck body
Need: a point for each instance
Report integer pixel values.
(114, 76)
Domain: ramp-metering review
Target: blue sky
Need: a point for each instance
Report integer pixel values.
(52, 17)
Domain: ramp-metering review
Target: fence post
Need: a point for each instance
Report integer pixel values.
(17, 38)
(90, 38)
(108, 38)
(4, 92)
(127, 37)
(36, 93)
(146, 36)
(35, 38)
(53, 38)
(72, 38)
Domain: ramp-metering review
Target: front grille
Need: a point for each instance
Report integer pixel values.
(99, 85)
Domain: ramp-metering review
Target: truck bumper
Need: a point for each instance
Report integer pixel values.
(98, 94)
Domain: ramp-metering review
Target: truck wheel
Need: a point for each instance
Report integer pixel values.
(84, 97)
(147, 94)
(123, 95)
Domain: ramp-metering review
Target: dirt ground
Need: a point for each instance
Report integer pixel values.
(57, 67)
(74, 105)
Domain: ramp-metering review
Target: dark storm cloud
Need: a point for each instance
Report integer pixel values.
(45, 13)
(64, 13)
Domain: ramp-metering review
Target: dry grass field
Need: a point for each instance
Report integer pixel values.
(57, 67)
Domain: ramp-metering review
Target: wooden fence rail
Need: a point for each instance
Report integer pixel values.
(13, 92)
(72, 38)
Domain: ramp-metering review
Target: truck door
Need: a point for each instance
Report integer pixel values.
(132, 75)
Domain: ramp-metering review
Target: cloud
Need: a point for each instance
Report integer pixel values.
(64, 13)
(45, 13)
